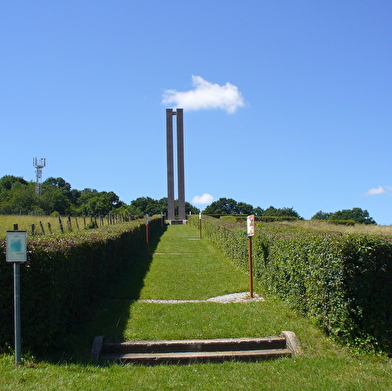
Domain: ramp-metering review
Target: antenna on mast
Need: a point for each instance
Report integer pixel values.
(39, 164)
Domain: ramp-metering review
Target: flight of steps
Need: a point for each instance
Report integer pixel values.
(197, 350)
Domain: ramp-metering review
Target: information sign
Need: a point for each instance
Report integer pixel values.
(250, 225)
(16, 247)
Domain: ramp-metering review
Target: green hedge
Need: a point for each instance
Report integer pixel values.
(63, 276)
(265, 219)
(341, 222)
(342, 282)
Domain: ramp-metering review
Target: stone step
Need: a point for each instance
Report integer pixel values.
(193, 357)
(195, 345)
(197, 350)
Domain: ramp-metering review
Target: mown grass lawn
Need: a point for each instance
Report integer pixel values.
(183, 267)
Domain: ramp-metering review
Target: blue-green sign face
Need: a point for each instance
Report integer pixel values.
(16, 246)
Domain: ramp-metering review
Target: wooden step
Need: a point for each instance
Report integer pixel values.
(196, 350)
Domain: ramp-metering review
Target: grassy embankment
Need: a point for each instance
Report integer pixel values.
(186, 268)
(25, 221)
(365, 229)
(49, 224)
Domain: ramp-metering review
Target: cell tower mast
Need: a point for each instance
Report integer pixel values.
(39, 164)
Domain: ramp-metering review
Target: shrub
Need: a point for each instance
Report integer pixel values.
(342, 282)
(64, 275)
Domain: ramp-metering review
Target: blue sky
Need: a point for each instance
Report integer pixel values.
(287, 103)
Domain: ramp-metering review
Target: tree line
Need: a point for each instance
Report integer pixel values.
(357, 215)
(18, 196)
(227, 206)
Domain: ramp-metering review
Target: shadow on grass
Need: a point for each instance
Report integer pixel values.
(109, 315)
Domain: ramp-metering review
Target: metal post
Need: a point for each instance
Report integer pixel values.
(147, 242)
(17, 331)
(250, 266)
(147, 235)
(17, 313)
(200, 225)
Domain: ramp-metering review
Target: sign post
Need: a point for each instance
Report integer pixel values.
(200, 224)
(250, 227)
(16, 252)
(147, 234)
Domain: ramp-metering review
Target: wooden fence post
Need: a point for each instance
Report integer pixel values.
(69, 223)
(61, 225)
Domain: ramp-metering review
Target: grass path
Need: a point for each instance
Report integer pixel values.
(183, 267)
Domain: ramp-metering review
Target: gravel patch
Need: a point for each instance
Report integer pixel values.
(236, 298)
(242, 297)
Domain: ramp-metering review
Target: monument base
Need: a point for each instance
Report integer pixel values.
(176, 222)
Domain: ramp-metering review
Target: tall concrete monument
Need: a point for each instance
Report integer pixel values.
(180, 166)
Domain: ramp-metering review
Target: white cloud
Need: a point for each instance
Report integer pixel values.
(377, 190)
(206, 95)
(202, 200)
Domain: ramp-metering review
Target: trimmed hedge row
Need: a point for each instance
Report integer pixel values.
(265, 219)
(342, 282)
(63, 276)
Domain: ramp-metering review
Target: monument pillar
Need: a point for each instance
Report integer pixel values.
(170, 164)
(180, 165)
